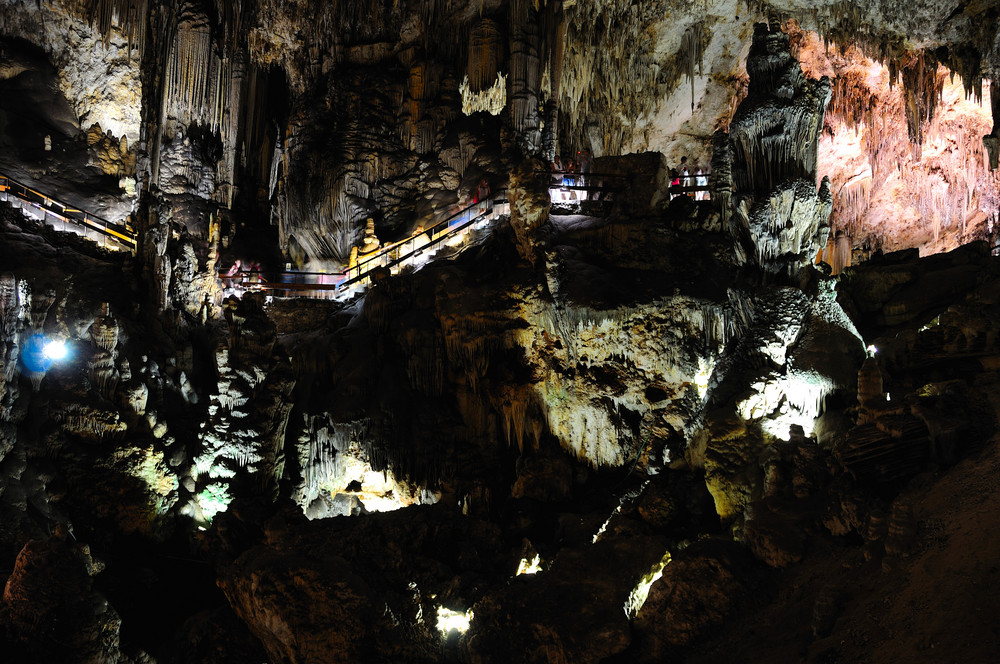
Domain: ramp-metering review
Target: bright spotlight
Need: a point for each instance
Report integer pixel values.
(40, 352)
(448, 620)
(55, 349)
(534, 566)
(872, 350)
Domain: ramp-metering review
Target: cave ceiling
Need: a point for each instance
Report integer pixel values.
(309, 117)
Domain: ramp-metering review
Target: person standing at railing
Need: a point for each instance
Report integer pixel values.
(701, 181)
(583, 165)
(482, 194)
(232, 276)
(557, 168)
(675, 182)
(685, 173)
(569, 179)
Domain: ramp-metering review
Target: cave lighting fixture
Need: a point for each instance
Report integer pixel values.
(55, 349)
(449, 620)
(41, 352)
(534, 566)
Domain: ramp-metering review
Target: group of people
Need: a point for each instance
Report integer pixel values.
(568, 171)
(242, 273)
(685, 176)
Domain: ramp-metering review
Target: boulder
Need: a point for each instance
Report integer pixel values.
(702, 586)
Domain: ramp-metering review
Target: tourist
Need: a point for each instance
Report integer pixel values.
(583, 157)
(700, 180)
(482, 192)
(685, 176)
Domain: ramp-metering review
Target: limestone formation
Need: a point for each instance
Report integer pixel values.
(617, 424)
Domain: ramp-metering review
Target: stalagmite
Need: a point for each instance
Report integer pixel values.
(778, 216)
(776, 129)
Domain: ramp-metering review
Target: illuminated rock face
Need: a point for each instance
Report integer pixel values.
(602, 391)
(100, 79)
(890, 191)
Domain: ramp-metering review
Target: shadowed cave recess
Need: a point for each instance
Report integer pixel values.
(489, 331)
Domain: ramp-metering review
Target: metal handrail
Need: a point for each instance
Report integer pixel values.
(429, 231)
(490, 202)
(436, 234)
(116, 232)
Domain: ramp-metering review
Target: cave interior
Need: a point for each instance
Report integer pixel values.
(493, 331)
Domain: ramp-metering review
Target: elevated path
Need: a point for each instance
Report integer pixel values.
(64, 217)
(454, 232)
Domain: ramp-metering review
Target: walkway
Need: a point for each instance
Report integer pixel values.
(455, 232)
(415, 251)
(573, 188)
(66, 218)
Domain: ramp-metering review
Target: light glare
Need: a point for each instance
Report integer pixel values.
(55, 349)
(452, 620)
(705, 369)
(532, 567)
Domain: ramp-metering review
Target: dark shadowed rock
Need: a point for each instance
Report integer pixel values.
(699, 589)
(573, 612)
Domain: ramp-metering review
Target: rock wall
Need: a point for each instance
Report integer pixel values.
(766, 169)
(144, 421)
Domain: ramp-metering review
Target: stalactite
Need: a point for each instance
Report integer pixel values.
(485, 55)
(776, 144)
(130, 16)
(202, 87)
(922, 88)
(850, 99)
(230, 13)
(601, 83)
(944, 186)
(692, 47)
(492, 100)
(992, 140)
(525, 74)
(852, 201)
